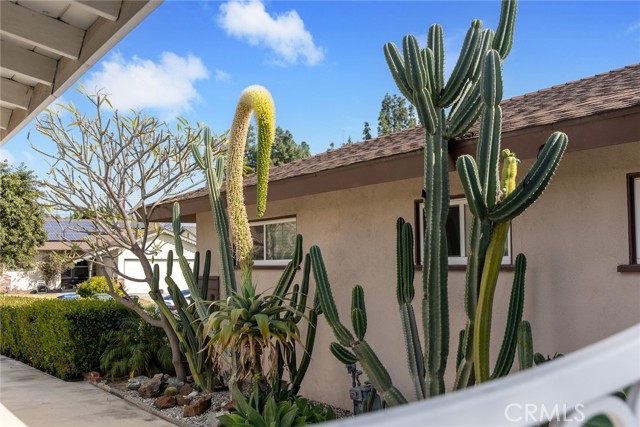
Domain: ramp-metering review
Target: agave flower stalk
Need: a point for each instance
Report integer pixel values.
(253, 99)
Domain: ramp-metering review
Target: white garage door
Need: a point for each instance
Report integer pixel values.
(132, 268)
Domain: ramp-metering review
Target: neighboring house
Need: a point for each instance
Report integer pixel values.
(64, 234)
(129, 265)
(582, 238)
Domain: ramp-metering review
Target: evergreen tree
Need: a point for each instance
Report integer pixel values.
(395, 115)
(21, 218)
(284, 150)
(366, 132)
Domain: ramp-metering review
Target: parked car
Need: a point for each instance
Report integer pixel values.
(68, 296)
(169, 301)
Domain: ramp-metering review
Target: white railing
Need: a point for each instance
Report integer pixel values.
(568, 392)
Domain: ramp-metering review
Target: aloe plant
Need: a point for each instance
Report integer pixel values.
(447, 110)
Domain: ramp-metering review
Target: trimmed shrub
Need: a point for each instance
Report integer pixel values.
(63, 338)
(97, 285)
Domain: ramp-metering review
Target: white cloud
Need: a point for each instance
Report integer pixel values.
(284, 34)
(633, 27)
(221, 76)
(166, 85)
(5, 155)
(29, 157)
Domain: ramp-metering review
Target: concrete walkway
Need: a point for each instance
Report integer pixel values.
(32, 398)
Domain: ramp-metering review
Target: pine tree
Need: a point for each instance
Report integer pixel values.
(395, 115)
(284, 150)
(366, 132)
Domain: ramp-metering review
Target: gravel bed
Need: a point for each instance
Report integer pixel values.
(175, 414)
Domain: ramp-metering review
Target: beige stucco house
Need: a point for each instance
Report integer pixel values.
(582, 238)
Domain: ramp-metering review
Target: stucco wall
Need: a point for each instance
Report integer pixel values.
(574, 238)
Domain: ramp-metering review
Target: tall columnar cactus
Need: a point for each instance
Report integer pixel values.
(473, 90)
(493, 206)
(186, 321)
(419, 74)
(212, 164)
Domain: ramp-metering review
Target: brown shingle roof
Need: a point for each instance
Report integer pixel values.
(615, 90)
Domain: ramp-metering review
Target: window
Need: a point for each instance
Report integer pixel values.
(458, 228)
(274, 241)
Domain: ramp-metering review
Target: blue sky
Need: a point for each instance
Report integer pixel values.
(323, 60)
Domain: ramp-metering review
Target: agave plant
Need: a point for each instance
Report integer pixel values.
(256, 326)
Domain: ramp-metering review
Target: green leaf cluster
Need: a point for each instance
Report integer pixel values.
(254, 325)
(61, 337)
(135, 348)
(21, 218)
(97, 285)
(261, 410)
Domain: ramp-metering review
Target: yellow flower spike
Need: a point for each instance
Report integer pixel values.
(509, 171)
(254, 99)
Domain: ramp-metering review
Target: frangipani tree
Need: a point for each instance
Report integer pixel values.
(117, 169)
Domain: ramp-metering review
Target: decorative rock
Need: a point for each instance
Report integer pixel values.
(174, 382)
(181, 400)
(134, 383)
(165, 402)
(185, 390)
(198, 407)
(192, 395)
(151, 388)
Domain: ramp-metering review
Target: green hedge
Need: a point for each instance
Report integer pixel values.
(62, 337)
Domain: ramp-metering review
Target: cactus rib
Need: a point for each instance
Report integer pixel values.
(514, 316)
(525, 346)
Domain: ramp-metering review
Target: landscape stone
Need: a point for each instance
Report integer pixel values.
(185, 390)
(174, 382)
(198, 407)
(134, 383)
(192, 395)
(151, 388)
(165, 402)
(181, 400)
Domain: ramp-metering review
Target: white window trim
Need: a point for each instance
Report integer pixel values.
(269, 262)
(459, 260)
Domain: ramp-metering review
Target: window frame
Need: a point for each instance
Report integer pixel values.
(633, 203)
(453, 261)
(264, 223)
